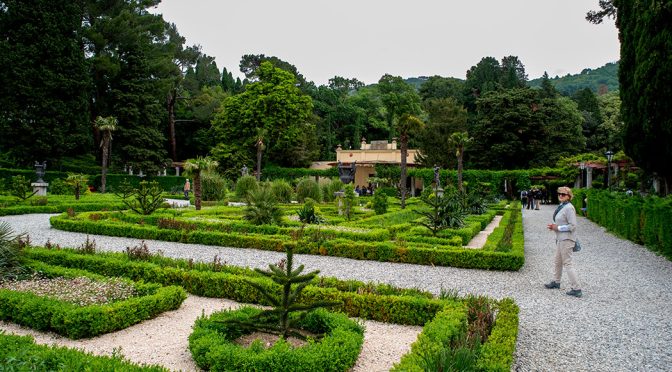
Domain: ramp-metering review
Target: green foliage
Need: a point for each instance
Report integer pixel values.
(643, 220)
(308, 188)
(599, 80)
(380, 203)
(446, 211)
(145, 199)
(78, 183)
(272, 103)
(20, 187)
(20, 353)
(60, 187)
(214, 186)
(74, 321)
(287, 312)
(308, 214)
(246, 185)
(645, 76)
(11, 250)
(282, 190)
(329, 189)
(213, 348)
(262, 207)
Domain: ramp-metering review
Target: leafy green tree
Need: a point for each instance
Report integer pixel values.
(195, 167)
(275, 104)
(482, 78)
(645, 75)
(609, 133)
(105, 126)
(250, 65)
(590, 109)
(516, 129)
(512, 73)
(459, 141)
(143, 200)
(45, 81)
(438, 87)
(445, 116)
(398, 97)
(20, 187)
(547, 88)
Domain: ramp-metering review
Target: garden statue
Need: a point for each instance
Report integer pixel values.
(437, 181)
(39, 170)
(244, 171)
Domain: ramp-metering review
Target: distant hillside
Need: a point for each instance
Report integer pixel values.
(596, 80)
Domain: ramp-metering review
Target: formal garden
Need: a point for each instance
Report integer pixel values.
(51, 288)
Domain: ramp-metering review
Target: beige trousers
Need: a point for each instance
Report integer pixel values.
(563, 260)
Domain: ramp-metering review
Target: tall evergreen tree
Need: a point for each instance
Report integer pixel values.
(645, 75)
(44, 81)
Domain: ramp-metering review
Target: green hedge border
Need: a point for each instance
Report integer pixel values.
(415, 253)
(416, 309)
(212, 347)
(76, 322)
(20, 353)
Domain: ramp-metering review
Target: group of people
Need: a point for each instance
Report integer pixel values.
(364, 190)
(531, 198)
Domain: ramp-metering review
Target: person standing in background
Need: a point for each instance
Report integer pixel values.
(187, 188)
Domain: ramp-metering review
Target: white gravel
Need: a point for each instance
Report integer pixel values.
(622, 323)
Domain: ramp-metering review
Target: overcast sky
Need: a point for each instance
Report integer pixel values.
(366, 39)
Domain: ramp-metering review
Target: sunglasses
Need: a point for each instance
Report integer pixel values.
(562, 194)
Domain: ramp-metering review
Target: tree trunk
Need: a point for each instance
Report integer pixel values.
(259, 152)
(103, 171)
(172, 97)
(402, 182)
(197, 189)
(459, 172)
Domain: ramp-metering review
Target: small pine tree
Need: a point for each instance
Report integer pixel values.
(279, 319)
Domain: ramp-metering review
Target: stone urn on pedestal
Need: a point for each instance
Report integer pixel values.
(39, 186)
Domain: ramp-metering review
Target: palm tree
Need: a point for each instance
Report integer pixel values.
(195, 167)
(406, 124)
(460, 141)
(106, 125)
(261, 133)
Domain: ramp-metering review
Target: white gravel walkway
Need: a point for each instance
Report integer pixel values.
(622, 323)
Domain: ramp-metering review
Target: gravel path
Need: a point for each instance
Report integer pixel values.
(622, 323)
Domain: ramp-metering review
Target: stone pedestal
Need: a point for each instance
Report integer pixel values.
(40, 188)
(339, 196)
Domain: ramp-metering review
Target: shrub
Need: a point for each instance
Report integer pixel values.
(330, 188)
(60, 187)
(20, 187)
(307, 213)
(213, 186)
(262, 207)
(308, 188)
(39, 201)
(282, 190)
(144, 200)
(245, 185)
(380, 203)
(10, 253)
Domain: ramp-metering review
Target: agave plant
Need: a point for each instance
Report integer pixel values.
(10, 253)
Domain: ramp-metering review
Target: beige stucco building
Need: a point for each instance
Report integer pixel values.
(366, 158)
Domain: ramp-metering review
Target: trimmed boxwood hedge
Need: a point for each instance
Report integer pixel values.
(387, 251)
(211, 344)
(20, 353)
(70, 320)
(399, 306)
